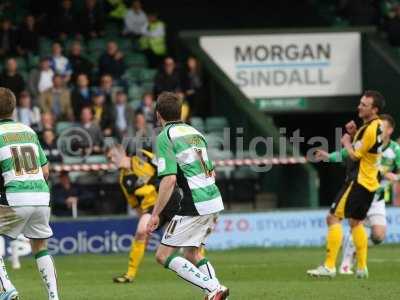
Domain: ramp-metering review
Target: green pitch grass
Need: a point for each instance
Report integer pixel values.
(249, 273)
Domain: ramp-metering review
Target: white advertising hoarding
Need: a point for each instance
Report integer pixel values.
(289, 65)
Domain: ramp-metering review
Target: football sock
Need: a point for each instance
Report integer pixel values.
(186, 270)
(360, 239)
(14, 253)
(135, 257)
(4, 279)
(333, 243)
(348, 252)
(47, 271)
(206, 268)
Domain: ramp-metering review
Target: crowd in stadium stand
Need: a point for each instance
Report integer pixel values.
(99, 68)
(383, 13)
(64, 68)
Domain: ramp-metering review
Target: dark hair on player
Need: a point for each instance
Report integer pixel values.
(378, 99)
(7, 103)
(169, 106)
(388, 118)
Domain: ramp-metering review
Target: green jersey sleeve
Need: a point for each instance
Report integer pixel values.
(166, 159)
(338, 156)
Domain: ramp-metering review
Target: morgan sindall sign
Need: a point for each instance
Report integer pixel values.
(289, 65)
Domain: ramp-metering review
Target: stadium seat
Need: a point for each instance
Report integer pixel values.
(147, 75)
(33, 61)
(96, 159)
(214, 141)
(124, 44)
(135, 92)
(135, 104)
(45, 47)
(97, 44)
(133, 59)
(132, 74)
(216, 124)
(197, 123)
(147, 86)
(73, 159)
(61, 126)
(22, 64)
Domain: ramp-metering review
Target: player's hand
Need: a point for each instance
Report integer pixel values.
(391, 176)
(8, 218)
(351, 128)
(346, 139)
(321, 155)
(153, 223)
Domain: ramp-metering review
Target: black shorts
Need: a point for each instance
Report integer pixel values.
(353, 201)
(171, 209)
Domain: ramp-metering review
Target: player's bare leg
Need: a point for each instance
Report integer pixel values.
(136, 254)
(46, 267)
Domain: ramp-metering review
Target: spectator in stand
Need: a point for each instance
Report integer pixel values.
(147, 107)
(106, 87)
(123, 114)
(112, 61)
(79, 64)
(47, 122)
(140, 132)
(91, 20)
(103, 114)
(393, 27)
(8, 38)
(59, 63)
(81, 95)
(57, 100)
(94, 131)
(153, 40)
(50, 148)
(135, 20)
(28, 37)
(168, 78)
(193, 84)
(25, 112)
(65, 195)
(64, 21)
(40, 79)
(10, 78)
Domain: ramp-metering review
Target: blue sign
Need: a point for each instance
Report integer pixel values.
(269, 229)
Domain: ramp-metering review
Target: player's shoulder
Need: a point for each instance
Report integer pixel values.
(14, 127)
(182, 130)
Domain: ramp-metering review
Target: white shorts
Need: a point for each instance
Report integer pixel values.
(189, 231)
(34, 222)
(376, 214)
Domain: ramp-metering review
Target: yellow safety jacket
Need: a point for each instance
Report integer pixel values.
(156, 43)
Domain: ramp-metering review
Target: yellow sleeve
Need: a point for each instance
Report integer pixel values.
(369, 139)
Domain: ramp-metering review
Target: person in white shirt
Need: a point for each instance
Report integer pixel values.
(135, 20)
(25, 112)
(40, 79)
(59, 63)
